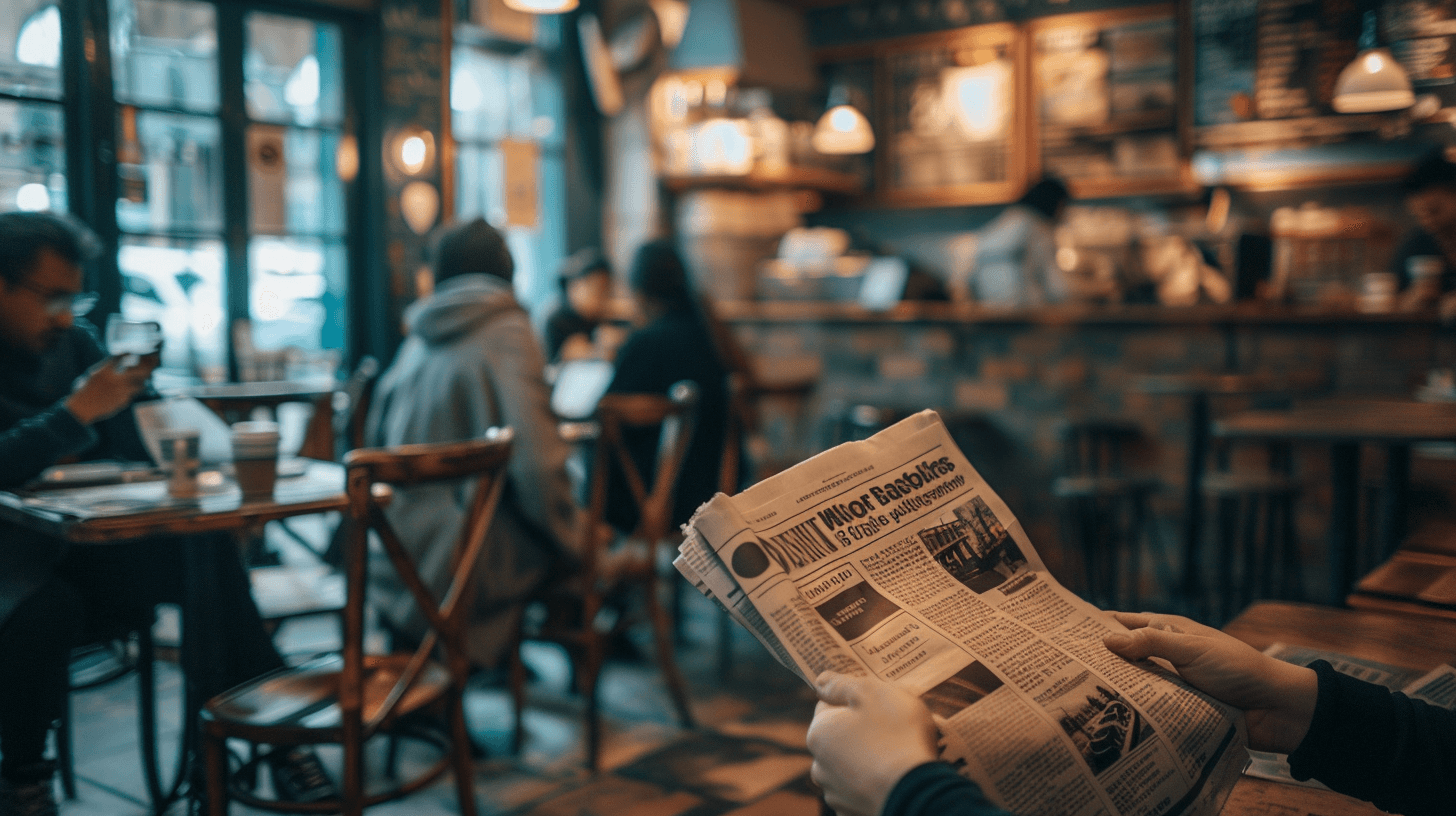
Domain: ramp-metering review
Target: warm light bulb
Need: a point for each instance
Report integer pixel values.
(412, 154)
(843, 130)
(541, 6)
(1373, 62)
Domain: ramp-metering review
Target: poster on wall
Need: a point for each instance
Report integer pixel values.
(518, 176)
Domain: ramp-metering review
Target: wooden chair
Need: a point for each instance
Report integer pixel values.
(605, 573)
(353, 698)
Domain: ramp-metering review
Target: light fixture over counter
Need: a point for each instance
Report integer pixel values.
(751, 43)
(1374, 81)
(843, 130)
(541, 6)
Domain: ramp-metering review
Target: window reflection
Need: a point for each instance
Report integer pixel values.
(164, 53)
(297, 292)
(291, 71)
(32, 156)
(180, 285)
(30, 48)
(171, 176)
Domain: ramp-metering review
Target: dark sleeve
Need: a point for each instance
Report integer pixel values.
(37, 442)
(1380, 746)
(935, 789)
(1416, 244)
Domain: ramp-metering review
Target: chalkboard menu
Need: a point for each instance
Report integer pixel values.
(1422, 36)
(1269, 59)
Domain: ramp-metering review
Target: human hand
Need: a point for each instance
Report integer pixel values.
(109, 387)
(866, 735)
(1277, 698)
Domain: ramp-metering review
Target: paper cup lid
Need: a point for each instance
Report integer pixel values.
(255, 430)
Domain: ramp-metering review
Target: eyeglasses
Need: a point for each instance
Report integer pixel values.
(77, 303)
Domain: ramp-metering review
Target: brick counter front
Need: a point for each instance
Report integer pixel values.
(1013, 378)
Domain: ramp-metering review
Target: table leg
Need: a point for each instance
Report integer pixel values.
(202, 651)
(1394, 500)
(1344, 518)
(1193, 500)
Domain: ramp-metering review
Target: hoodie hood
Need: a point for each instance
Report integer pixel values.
(458, 306)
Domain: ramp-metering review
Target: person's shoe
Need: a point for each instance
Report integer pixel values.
(31, 798)
(298, 776)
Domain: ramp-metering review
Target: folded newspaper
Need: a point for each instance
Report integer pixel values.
(892, 557)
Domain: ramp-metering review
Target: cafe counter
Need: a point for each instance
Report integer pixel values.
(1013, 378)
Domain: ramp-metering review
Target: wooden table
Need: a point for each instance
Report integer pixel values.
(61, 513)
(1380, 636)
(235, 402)
(1344, 425)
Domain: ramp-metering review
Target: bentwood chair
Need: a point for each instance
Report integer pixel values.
(610, 572)
(352, 698)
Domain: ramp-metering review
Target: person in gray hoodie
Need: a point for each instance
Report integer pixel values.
(471, 362)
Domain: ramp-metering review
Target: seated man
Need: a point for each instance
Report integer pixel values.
(62, 397)
(471, 362)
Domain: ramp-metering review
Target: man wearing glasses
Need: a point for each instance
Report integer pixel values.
(62, 397)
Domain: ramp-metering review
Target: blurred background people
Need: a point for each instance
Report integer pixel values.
(471, 362)
(1016, 254)
(576, 315)
(1425, 262)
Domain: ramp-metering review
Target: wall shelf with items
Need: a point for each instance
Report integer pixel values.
(1105, 101)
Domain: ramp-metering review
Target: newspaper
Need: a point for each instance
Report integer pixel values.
(892, 557)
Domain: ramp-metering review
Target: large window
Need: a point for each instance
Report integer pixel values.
(508, 123)
(223, 138)
(32, 132)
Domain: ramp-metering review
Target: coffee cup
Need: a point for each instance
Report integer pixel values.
(255, 458)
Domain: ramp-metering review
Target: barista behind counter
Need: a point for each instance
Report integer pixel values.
(1016, 254)
(1425, 262)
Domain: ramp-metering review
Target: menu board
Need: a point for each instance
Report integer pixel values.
(950, 123)
(1106, 100)
(1269, 59)
(1422, 36)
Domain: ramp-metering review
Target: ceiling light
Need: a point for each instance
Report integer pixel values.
(541, 6)
(1374, 81)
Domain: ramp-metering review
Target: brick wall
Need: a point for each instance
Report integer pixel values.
(1011, 384)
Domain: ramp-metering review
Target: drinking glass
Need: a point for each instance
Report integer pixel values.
(132, 338)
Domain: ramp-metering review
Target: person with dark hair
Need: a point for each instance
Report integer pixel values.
(62, 398)
(470, 362)
(677, 341)
(1425, 262)
(586, 282)
(1015, 259)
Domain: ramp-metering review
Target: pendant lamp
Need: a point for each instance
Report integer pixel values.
(843, 130)
(541, 6)
(1373, 81)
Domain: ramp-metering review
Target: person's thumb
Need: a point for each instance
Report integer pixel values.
(1175, 647)
(837, 689)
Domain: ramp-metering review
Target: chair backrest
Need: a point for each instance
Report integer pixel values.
(483, 460)
(676, 415)
(1095, 447)
(740, 423)
(358, 391)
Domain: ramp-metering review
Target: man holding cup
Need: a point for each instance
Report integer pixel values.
(63, 397)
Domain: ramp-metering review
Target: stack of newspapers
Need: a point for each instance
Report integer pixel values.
(891, 557)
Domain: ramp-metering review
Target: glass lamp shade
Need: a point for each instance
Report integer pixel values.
(541, 6)
(843, 130)
(1371, 83)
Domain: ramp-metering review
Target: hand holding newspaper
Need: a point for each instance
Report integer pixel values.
(892, 557)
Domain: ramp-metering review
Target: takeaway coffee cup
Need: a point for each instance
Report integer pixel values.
(255, 458)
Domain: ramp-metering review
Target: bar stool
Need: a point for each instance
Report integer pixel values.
(1258, 550)
(1104, 509)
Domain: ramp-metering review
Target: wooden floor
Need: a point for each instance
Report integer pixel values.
(747, 757)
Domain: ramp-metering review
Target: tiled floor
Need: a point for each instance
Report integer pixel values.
(746, 757)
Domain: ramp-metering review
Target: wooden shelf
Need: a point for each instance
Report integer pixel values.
(797, 178)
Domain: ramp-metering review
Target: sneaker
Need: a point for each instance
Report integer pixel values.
(37, 798)
(298, 776)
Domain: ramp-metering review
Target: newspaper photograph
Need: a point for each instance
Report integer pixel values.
(892, 557)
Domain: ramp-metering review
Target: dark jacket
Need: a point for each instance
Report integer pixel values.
(562, 323)
(673, 347)
(36, 431)
(1364, 741)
